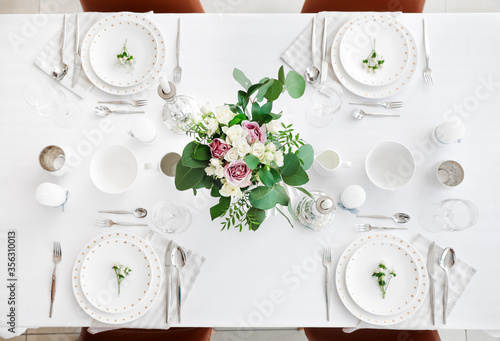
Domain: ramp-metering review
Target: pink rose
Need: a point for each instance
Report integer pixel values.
(218, 148)
(238, 174)
(255, 132)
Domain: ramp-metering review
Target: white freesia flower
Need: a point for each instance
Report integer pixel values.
(205, 108)
(229, 190)
(268, 158)
(211, 125)
(274, 126)
(242, 147)
(223, 114)
(210, 170)
(219, 172)
(215, 162)
(195, 117)
(278, 158)
(234, 133)
(270, 147)
(231, 155)
(258, 150)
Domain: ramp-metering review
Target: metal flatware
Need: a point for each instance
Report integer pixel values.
(324, 63)
(78, 58)
(56, 257)
(138, 213)
(168, 272)
(103, 111)
(312, 72)
(446, 261)
(387, 105)
(134, 103)
(427, 70)
(431, 260)
(61, 70)
(327, 262)
(178, 265)
(109, 223)
(399, 218)
(360, 114)
(178, 69)
(368, 227)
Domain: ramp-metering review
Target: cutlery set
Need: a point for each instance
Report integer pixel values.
(398, 218)
(138, 213)
(175, 258)
(446, 261)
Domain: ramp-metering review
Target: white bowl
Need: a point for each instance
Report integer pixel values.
(390, 165)
(113, 169)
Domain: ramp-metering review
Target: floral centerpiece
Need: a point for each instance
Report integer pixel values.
(244, 155)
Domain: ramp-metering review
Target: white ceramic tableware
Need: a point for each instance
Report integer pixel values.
(53, 160)
(449, 132)
(143, 130)
(328, 161)
(447, 174)
(113, 169)
(167, 164)
(352, 196)
(390, 165)
(50, 194)
(98, 278)
(364, 288)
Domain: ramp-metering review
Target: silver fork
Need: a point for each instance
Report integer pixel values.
(56, 257)
(109, 223)
(368, 227)
(327, 262)
(387, 105)
(427, 70)
(134, 103)
(178, 69)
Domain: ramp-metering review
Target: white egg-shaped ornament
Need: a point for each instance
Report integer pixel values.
(50, 194)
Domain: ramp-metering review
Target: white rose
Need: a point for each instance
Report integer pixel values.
(243, 147)
(205, 109)
(278, 158)
(215, 162)
(195, 117)
(268, 158)
(211, 125)
(231, 155)
(258, 149)
(219, 172)
(270, 147)
(273, 127)
(234, 133)
(229, 190)
(223, 114)
(210, 170)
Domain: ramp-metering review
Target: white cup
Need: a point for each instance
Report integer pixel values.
(167, 164)
(447, 174)
(143, 130)
(326, 162)
(53, 160)
(113, 169)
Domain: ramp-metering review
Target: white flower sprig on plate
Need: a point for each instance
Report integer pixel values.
(121, 272)
(374, 61)
(124, 57)
(384, 277)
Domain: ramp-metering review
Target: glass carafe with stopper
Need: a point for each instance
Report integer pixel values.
(177, 110)
(315, 214)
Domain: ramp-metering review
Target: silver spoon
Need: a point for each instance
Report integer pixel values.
(60, 71)
(139, 212)
(399, 218)
(103, 111)
(446, 261)
(312, 72)
(360, 114)
(178, 265)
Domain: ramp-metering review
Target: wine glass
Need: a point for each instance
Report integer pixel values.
(325, 102)
(171, 217)
(449, 215)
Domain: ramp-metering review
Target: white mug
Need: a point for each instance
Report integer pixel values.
(326, 162)
(143, 130)
(167, 164)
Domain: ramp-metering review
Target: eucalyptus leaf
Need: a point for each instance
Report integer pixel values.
(276, 175)
(186, 177)
(291, 211)
(240, 77)
(281, 75)
(237, 119)
(215, 192)
(263, 89)
(255, 110)
(282, 196)
(263, 197)
(298, 179)
(236, 109)
(284, 215)
(266, 177)
(274, 91)
(253, 88)
(266, 108)
(187, 156)
(252, 161)
(306, 155)
(221, 208)
(255, 217)
(202, 152)
(291, 165)
(305, 191)
(295, 84)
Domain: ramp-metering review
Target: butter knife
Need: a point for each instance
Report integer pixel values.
(168, 275)
(430, 269)
(324, 63)
(78, 58)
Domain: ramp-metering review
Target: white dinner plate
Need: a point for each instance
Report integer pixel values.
(364, 288)
(350, 304)
(141, 44)
(99, 282)
(110, 88)
(381, 33)
(119, 317)
(370, 91)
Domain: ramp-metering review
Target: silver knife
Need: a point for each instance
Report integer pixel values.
(78, 58)
(324, 63)
(430, 269)
(168, 276)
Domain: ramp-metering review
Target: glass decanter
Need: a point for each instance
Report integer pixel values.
(315, 214)
(177, 110)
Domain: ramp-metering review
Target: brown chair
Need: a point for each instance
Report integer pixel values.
(172, 334)
(329, 334)
(158, 6)
(407, 6)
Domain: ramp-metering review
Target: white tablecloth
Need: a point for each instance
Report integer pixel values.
(274, 277)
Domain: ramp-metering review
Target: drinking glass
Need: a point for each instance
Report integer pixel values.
(449, 215)
(171, 217)
(325, 102)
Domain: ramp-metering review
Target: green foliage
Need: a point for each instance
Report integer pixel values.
(306, 156)
(186, 177)
(252, 161)
(221, 208)
(255, 217)
(295, 84)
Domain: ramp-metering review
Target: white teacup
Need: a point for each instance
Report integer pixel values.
(326, 162)
(113, 169)
(167, 164)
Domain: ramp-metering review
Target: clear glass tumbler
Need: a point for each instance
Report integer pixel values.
(449, 215)
(171, 217)
(325, 102)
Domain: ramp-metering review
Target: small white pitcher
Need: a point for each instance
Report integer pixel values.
(328, 161)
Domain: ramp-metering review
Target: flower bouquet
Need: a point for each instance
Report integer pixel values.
(244, 155)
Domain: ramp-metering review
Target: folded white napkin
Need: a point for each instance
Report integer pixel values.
(155, 317)
(298, 55)
(460, 276)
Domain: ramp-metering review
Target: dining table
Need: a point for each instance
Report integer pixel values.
(272, 277)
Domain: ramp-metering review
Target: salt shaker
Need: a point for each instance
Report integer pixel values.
(318, 213)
